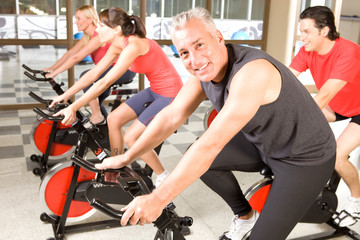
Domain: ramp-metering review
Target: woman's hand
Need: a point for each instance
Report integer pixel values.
(57, 99)
(115, 162)
(69, 114)
(49, 70)
(50, 73)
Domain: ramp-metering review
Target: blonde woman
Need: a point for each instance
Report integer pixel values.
(86, 21)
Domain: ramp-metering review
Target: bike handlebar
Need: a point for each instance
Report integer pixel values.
(47, 102)
(34, 72)
(127, 179)
(85, 164)
(105, 208)
(47, 116)
(34, 78)
(39, 99)
(89, 166)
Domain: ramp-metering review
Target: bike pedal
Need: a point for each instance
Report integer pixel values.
(185, 231)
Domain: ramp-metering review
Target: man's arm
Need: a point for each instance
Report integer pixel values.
(328, 92)
(245, 98)
(296, 73)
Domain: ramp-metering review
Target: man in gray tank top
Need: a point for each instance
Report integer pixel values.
(265, 117)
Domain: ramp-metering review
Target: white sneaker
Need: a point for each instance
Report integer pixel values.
(350, 214)
(240, 229)
(161, 177)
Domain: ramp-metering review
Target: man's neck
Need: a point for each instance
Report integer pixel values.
(326, 47)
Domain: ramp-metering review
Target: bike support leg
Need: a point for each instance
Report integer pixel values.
(59, 228)
(167, 229)
(59, 225)
(45, 157)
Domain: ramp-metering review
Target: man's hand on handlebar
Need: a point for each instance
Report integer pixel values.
(142, 210)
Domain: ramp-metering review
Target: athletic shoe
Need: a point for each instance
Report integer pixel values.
(161, 177)
(350, 214)
(103, 122)
(240, 229)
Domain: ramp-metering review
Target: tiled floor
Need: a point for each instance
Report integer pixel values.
(19, 189)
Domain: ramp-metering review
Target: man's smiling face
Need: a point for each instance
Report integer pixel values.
(201, 52)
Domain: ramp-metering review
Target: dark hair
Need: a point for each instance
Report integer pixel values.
(130, 25)
(322, 16)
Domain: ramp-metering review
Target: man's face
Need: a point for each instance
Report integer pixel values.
(203, 54)
(312, 36)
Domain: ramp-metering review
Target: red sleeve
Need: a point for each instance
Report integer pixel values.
(299, 62)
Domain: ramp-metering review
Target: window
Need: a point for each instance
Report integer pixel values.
(237, 19)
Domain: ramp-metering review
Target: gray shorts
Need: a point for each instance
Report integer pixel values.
(140, 104)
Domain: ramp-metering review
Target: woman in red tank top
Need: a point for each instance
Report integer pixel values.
(134, 51)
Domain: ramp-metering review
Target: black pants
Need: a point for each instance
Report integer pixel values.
(293, 191)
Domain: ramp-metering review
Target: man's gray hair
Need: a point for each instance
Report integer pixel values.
(180, 20)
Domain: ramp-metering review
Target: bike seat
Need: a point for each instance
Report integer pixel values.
(266, 171)
(123, 83)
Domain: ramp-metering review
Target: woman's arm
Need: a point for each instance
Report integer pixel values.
(88, 78)
(76, 56)
(126, 58)
(66, 56)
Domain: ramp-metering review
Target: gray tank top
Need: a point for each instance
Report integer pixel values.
(292, 128)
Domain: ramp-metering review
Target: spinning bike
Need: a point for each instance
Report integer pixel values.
(54, 141)
(323, 209)
(70, 190)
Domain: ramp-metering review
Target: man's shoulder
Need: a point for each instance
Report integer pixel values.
(347, 48)
(343, 42)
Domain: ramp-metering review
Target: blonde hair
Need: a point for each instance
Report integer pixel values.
(201, 14)
(90, 13)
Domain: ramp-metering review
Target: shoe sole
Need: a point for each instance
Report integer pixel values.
(247, 235)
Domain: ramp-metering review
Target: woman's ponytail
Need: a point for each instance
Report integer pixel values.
(130, 25)
(139, 28)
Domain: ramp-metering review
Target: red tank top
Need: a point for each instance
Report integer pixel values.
(99, 53)
(158, 69)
